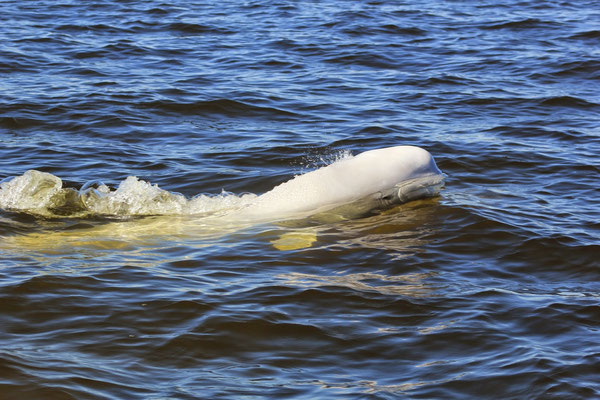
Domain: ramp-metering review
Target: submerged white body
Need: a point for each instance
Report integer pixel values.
(373, 179)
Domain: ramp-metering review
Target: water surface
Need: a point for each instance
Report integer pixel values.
(489, 290)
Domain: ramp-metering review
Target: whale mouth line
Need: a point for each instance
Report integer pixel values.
(423, 187)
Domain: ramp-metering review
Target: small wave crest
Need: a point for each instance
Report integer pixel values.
(43, 193)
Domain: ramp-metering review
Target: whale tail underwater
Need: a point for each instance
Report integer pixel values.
(353, 187)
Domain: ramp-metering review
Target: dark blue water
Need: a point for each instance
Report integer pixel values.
(490, 290)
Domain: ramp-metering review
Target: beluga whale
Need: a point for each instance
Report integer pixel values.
(139, 212)
(368, 182)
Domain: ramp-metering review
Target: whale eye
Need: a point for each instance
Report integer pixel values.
(387, 200)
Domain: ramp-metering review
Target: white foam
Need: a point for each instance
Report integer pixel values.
(42, 193)
(34, 190)
(137, 197)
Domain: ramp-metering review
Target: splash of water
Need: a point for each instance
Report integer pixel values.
(43, 194)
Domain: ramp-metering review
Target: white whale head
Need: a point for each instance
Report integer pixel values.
(371, 180)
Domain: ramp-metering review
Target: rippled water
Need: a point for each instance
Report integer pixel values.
(489, 290)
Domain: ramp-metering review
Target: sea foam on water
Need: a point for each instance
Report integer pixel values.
(43, 194)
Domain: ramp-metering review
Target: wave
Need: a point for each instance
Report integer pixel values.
(567, 101)
(198, 29)
(591, 34)
(217, 106)
(523, 24)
